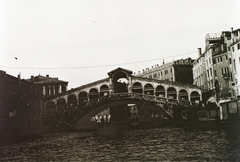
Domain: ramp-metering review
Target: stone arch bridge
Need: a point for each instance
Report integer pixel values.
(121, 88)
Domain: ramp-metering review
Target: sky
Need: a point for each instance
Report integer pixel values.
(80, 41)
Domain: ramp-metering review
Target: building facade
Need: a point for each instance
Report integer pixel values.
(234, 50)
(216, 71)
(18, 106)
(172, 71)
(47, 86)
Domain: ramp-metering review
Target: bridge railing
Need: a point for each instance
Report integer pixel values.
(140, 96)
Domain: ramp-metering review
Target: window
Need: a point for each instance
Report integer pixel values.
(222, 70)
(166, 72)
(226, 57)
(233, 48)
(229, 49)
(234, 64)
(215, 73)
(238, 46)
(230, 61)
(214, 61)
(221, 58)
(155, 75)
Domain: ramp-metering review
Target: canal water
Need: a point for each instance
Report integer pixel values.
(159, 144)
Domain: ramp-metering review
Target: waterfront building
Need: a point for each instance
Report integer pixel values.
(199, 73)
(216, 71)
(175, 71)
(19, 106)
(234, 52)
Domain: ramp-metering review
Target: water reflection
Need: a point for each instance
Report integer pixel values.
(160, 144)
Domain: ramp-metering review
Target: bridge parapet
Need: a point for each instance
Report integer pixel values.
(151, 98)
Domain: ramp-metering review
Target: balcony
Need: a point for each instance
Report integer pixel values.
(226, 76)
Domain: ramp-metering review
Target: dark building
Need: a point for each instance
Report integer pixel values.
(17, 106)
(21, 101)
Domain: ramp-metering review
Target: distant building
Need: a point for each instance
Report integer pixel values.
(47, 86)
(176, 71)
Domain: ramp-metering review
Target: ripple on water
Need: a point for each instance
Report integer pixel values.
(161, 144)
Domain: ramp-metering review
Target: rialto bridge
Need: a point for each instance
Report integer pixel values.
(121, 88)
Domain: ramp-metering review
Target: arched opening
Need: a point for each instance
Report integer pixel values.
(72, 102)
(120, 82)
(93, 93)
(195, 97)
(61, 105)
(50, 108)
(183, 95)
(148, 89)
(104, 90)
(83, 98)
(137, 88)
(171, 93)
(160, 91)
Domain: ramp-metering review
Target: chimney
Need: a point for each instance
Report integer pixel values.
(47, 76)
(163, 62)
(19, 76)
(32, 78)
(199, 52)
(232, 35)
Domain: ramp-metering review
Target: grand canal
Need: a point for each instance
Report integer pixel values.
(160, 144)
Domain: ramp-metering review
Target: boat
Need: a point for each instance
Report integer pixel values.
(201, 117)
(230, 113)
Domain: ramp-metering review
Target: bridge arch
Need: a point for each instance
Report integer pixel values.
(120, 87)
(72, 101)
(183, 95)
(84, 122)
(195, 96)
(137, 88)
(50, 108)
(148, 89)
(104, 90)
(160, 91)
(93, 93)
(61, 105)
(83, 97)
(171, 93)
